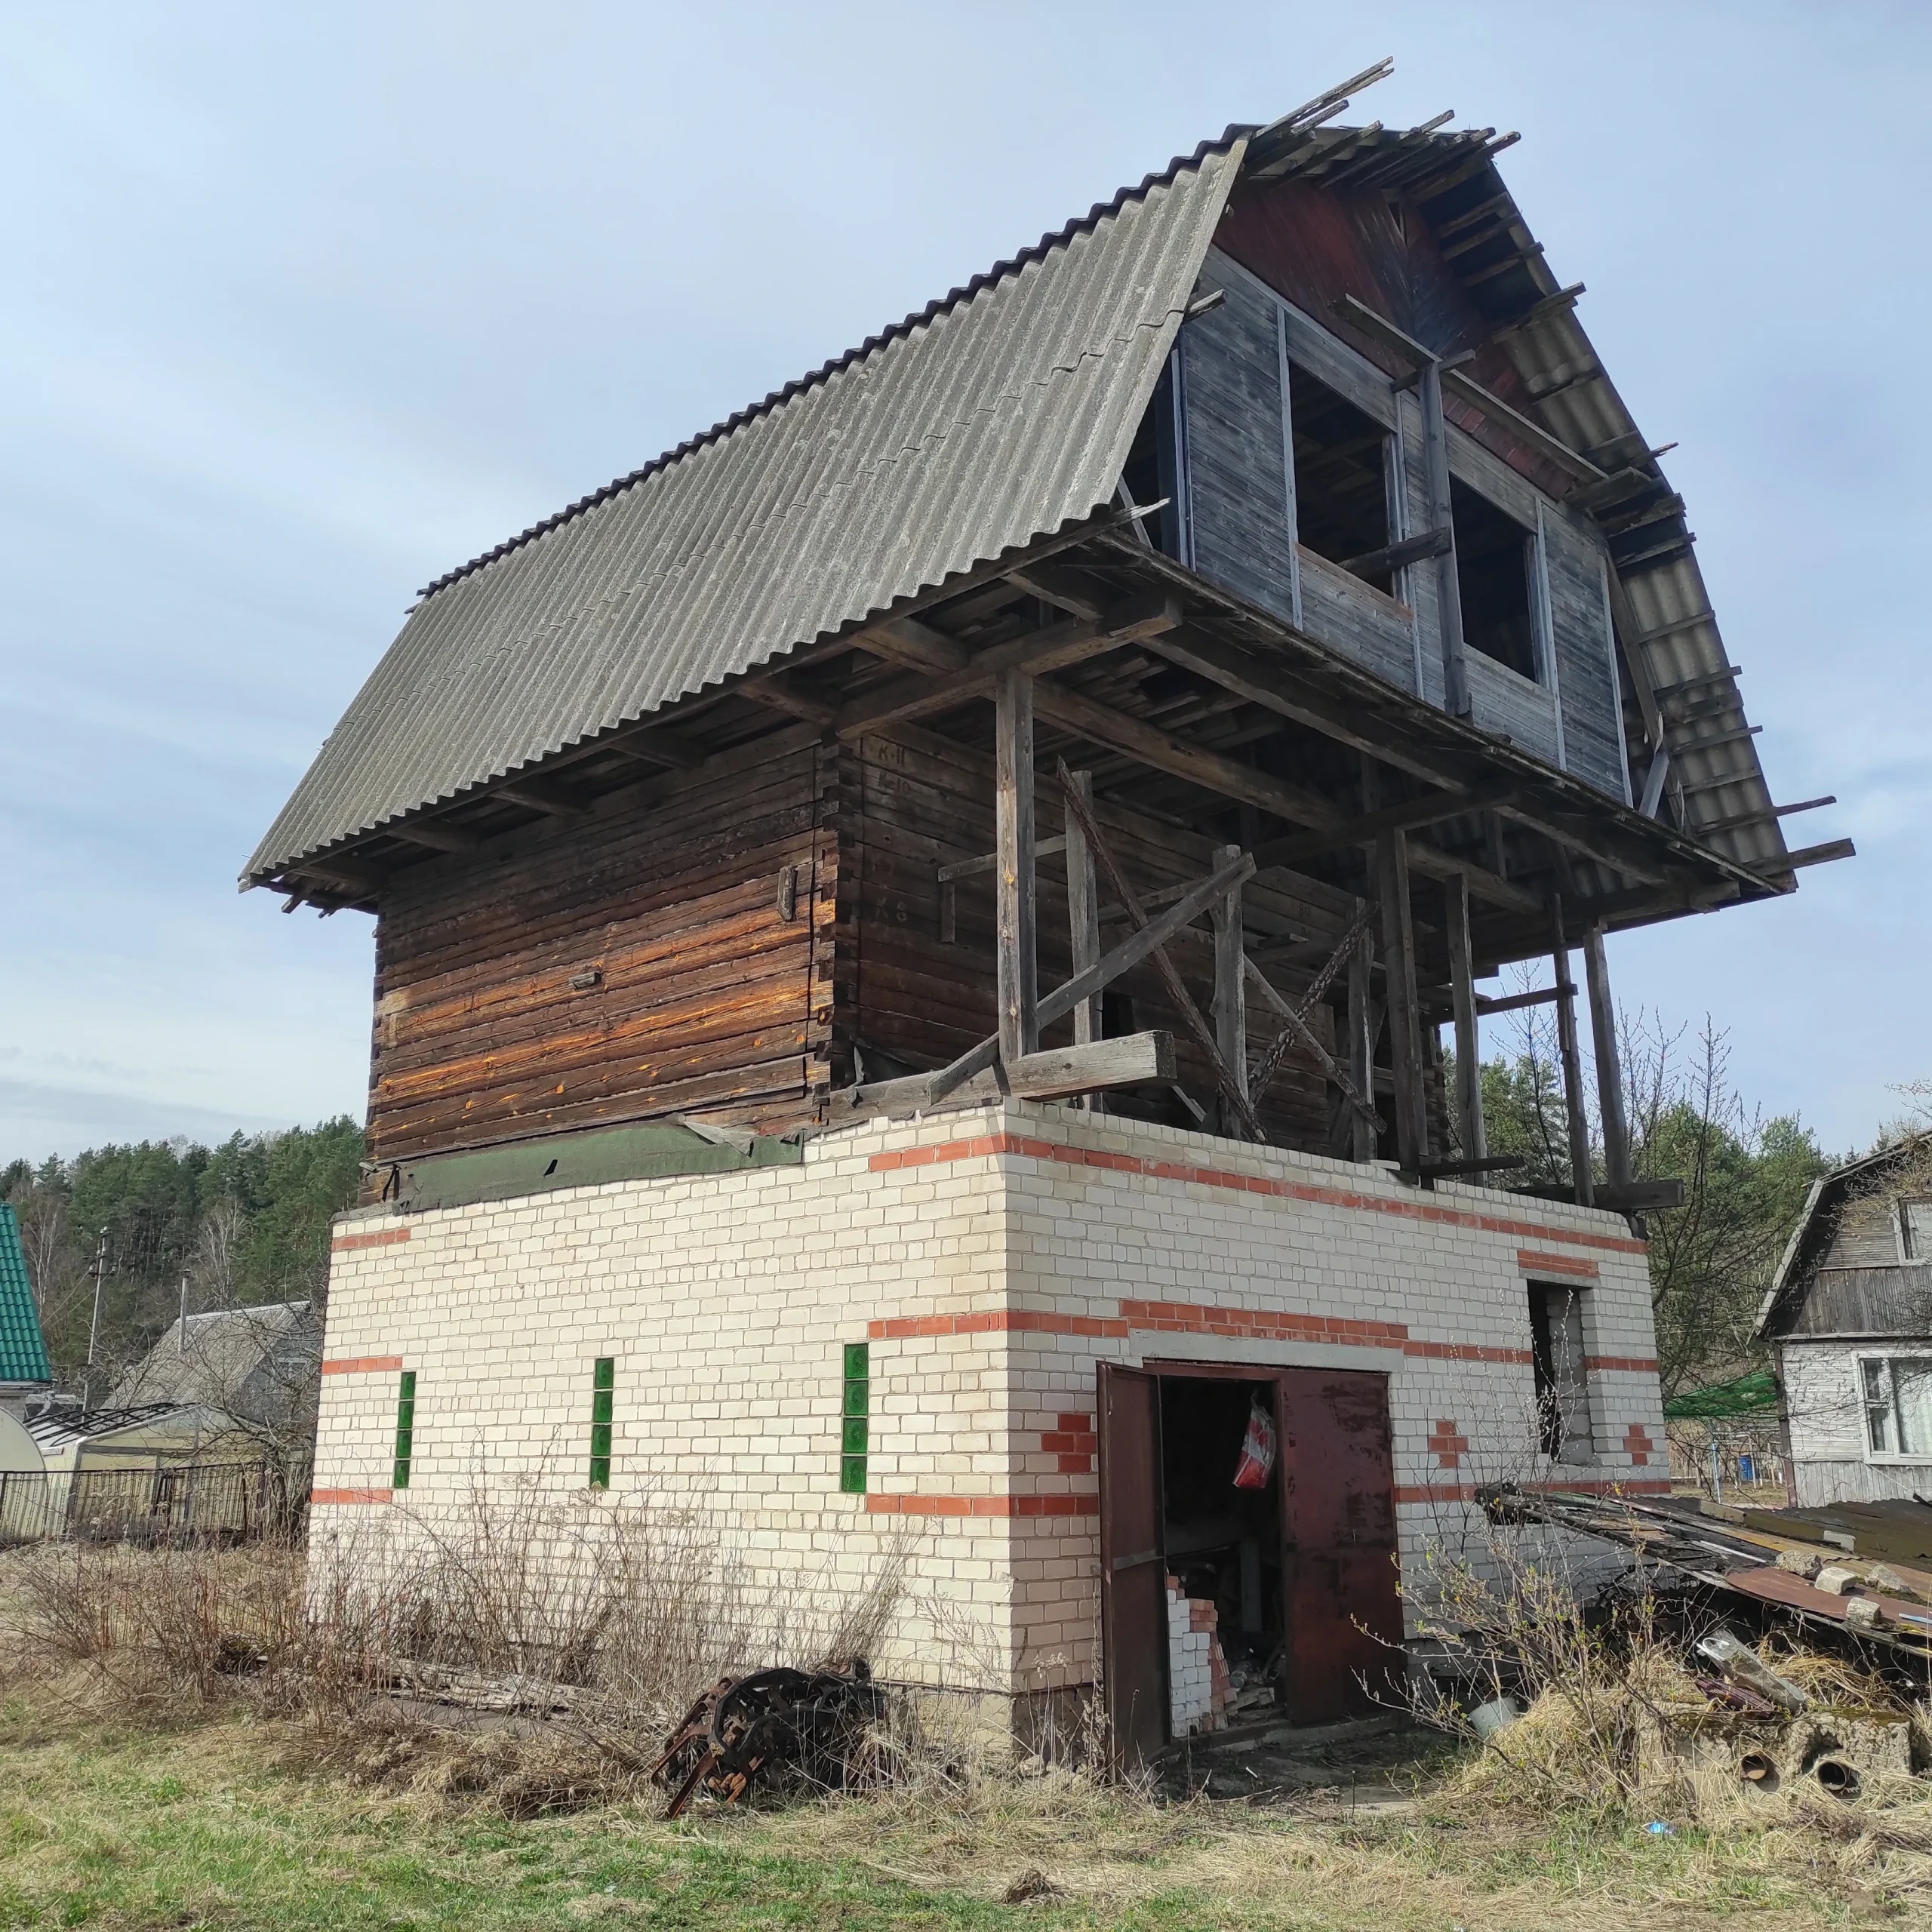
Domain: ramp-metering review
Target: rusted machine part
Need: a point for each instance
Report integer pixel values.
(744, 1727)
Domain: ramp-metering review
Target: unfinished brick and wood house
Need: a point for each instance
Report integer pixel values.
(912, 932)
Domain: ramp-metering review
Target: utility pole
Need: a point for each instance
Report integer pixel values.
(93, 1326)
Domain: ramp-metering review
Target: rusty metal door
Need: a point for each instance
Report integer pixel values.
(1338, 1528)
(1133, 1567)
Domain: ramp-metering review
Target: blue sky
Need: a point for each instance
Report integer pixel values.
(307, 304)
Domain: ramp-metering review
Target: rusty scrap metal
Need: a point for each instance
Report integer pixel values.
(806, 1724)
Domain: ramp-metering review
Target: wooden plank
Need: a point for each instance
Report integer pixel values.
(1133, 1059)
(1391, 872)
(1017, 956)
(1806, 855)
(1441, 516)
(987, 862)
(1610, 1070)
(1409, 816)
(1083, 911)
(1231, 988)
(1468, 1053)
(1571, 1063)
(1363, 1137)
(1052, 648)
(1515, 1002)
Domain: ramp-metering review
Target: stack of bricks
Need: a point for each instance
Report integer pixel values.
(1196, 1670)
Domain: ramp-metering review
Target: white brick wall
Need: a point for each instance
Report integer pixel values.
(991, 1259)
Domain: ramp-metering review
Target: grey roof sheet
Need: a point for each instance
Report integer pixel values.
(997, 416)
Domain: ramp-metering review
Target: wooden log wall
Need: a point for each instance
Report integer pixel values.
(707, 999)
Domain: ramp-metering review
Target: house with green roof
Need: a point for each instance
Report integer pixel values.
(24, 1368)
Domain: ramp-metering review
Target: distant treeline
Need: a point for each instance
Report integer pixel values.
(243, 1222)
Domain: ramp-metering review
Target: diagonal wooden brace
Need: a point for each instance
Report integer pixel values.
(1183, 1001)
(1295, 1027)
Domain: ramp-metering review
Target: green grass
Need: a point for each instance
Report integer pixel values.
(207, 1826)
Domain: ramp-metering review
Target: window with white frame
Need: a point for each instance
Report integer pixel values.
(1915, 1230)
(1898, 1406)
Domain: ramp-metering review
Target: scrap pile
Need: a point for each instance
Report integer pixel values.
(805, 1728)
(1863, 1570)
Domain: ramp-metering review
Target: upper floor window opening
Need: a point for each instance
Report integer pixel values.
(1495, 556)
(1915, 1230)
(1151, 473)
(1341, 478)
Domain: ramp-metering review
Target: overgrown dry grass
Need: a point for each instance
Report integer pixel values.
(209, 1738)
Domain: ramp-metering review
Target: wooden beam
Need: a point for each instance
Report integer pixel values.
(1572, 1072)
(1052, 648)
(1468, 1049)
(1363, 1134)
(1355, 1094)
(1609, 1068)
(906, 641)
(1177, 992)
(1515, 1002)
(1231, 990)
(1806, 855)
(1102, 724)
(657, 745)
(987, 862)
(437, 835)
(1397, 556)
(774, 689)
(1441, 515)
(1409, 815)
(1135, 1059)
(1018, 950)
(347, 873)
(1083, 908)
(1391, 872)
(529, 792)
(1054, 583)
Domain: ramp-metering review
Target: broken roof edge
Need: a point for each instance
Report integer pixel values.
(776, 399)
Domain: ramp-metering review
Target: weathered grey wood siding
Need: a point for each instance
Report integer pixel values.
(1240, 516)
(1238, 520)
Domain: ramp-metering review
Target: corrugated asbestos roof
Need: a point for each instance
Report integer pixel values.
(22, 1352)
(997, 416)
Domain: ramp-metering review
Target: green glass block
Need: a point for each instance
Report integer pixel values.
(600, 1472)
(855, 1430)
(600, 1439)
(405, 1445)
(601, 1405)
(858, 1356)
(399, 1477)
(852, 1475)
(405, 1415)
(605, 1376)
(858, 1397)
(407, 1392)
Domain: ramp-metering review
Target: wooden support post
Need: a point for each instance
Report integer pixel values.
(1573, 1070)
(1441, 516)
(1398, 956)
(1083, 908)
(1468, 1050)
(1231, 994)
(1362, 1041)
(1018, 953)
(1609, 1067)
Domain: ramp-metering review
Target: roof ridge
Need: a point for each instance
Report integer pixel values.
(1012, 265)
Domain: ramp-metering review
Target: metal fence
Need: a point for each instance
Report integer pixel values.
(176, 1502)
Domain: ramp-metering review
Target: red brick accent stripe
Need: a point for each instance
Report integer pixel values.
(1466, 1352)
(360, 1365)
(1533, 1263)
(1264, 1324)
(983, 1506)
(1466, 1492)
(993, 1322)
(382, 1237)
(1637, 1365)
(350, 1495)
(983, 1146)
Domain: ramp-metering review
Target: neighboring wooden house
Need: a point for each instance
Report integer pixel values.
(1849, 1314)
(1165, 674)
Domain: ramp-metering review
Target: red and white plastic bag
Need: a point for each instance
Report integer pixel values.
(1257, 1451)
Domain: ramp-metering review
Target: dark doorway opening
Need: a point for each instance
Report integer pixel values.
(1492, 553)
(1223, 1547)
(1309, 1559)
